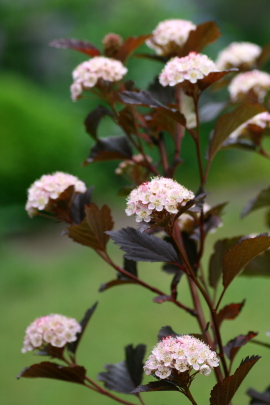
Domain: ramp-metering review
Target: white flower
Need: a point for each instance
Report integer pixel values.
(255, 81)
(170, 35)
(154, 199)
(87, 74)
(238, 54)
(181, 353)
(50, 186)
(54, 329)
(192, 68)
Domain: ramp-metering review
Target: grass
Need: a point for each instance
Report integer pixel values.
(47, 273)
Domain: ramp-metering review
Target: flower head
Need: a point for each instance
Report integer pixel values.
(192, 68)
(87, 74)
(50, 186)
(154, 199)
(180, 354)
(127, 165)
(238, 54)
(57, 330)
(255, 81)
(169, 35)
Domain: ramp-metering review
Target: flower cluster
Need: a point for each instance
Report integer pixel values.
(170, 35)
(128, 163)
(238, 54)
(261, 120)
(57, 330)
(182, 353)
(192, 68)
(50, 186)
(87, 74)
(255, 81)
(154, 199)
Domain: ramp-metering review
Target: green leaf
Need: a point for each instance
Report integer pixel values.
(262, 200)
(91, 231)
(240, 255)
(228, 123)
(223, 392)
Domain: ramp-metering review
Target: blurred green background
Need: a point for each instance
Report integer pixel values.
(42, 131)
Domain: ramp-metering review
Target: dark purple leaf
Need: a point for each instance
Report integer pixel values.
(166, 331)
(221, 247)
(134, 362)
(260, 266)
(52, 351)
(142, 247)
(259, 398)
(72, 347)
(111, 148)
(77, 45)
(127, 121)
(233, 346)
(260, 201)
(161, 385)
(223, 392)
(77, 210)
(47, 369)
(212, 78)
(129, 46)
(164, 94)
(240, 255)
(228, 123)
(203, 35)
(93, 119)
(117, 378)
(91, 231)
(170, 268)
(230, 311)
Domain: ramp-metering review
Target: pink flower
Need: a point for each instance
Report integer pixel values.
(255, 81)
(192, 68)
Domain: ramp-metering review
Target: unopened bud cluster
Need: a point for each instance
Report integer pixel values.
(255, 81)
(180, 354)
(87, 74)
(170, 35)
(56, 330)
(50, 186)
(111, 44)
(154, 199)
(238, 54)
(261, 120)
(192, 68)
(128, 163)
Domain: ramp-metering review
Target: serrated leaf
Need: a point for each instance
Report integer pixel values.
(260, 201)
(228, 123)
(111, 148)
(55, 371)
(240, 255)
(160, 385)
(129, 46)
(221, 247)
(93, 119)
(230, 311)
(203, 35)
(233, 346)
(72, 347)
(77, 45)
(260, 266)
(134, 362)
(142, 247)
(223, 392)
(77, 209)
(145, 99)
(259, 398)
(91, 231)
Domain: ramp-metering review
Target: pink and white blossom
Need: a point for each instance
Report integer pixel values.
(238, 54)
(87, 74)
(170, 35)
(154, 199)
(54, 329)
(192, 68)
(256, 81)
(50, 186)
(181, 353)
